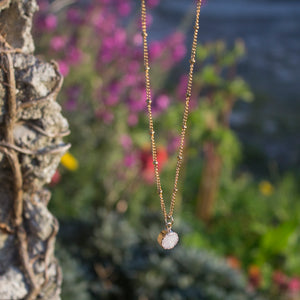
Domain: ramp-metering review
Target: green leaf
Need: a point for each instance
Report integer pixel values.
(210, 76)
(240, 89)
(202, 53)
(276, 240)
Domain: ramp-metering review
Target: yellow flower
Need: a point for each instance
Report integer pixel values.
(69, 162)
(266, 188)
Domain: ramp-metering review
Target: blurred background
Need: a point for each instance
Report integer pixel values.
(238, 208)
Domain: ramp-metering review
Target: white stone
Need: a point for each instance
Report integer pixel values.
(168, 239)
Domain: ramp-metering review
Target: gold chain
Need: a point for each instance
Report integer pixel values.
(168, 216)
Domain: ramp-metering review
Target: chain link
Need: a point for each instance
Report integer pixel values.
(168, 216)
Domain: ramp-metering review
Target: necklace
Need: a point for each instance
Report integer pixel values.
(168, 238)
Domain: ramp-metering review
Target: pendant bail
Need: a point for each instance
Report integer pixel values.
(169, 222)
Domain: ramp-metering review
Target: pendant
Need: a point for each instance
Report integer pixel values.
(168, 239)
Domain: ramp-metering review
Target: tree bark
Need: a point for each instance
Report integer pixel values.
(209, 185)
(31, 132)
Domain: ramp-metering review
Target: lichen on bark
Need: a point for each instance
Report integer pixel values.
(31, 144)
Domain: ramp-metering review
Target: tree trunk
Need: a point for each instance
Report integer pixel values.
(209, 185)
(31, 131)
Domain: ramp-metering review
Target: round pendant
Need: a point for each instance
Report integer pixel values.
(168, 239)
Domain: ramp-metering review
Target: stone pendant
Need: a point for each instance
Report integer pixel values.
(168, 239)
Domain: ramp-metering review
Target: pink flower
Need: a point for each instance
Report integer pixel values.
(74, 55)
(106, 116)
(104, 24)
(73, 94)
(137, 99)
(126, 141)
(156, 49)
(132, 120)
(162, 102)
(70, 105)
(119, 37)
(113, 94)
(178, 52)
(50, 22)
(137, 39)
(63, 68)
(105, 57)
(294, 285)
(173, 144)
(177, 46)
(112, 46)
(130, 79)
(153, 3)
(134, 66)
(55, 178)
(111, 100)
(280, 279)
(182, 86)
(124, 9)
(130, 160)
(73, 16)
(57, 43)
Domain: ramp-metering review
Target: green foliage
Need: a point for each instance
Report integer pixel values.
(75, 279)
(139, 268)
(259, 229)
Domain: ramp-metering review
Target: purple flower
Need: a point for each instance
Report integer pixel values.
(50, 22)
(63, 67)
(156, 49)
(112, 46)
(136, 105)
(178, 52)
(103, 23)
(162, 102)
(130, 160)
(111, 100)
(74, 16)
(74, 55)
(182, 86)
(106, 116)
(71, 105)
(112, 95)
(57, 43)
(137, 39)
(126, 142)
(105, 56)
(132, 119)
(153, 3)
(120, 36)
(174, 144)
(176, 38)
(124, 8)
(73, 94)
(176, 43)
(136, 100)
(181, 91)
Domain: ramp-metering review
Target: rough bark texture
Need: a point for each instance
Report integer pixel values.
(31, 131)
